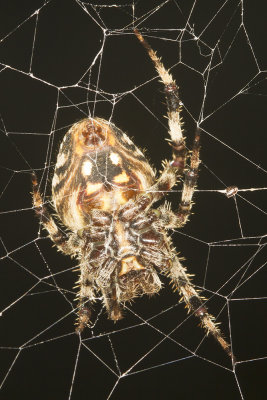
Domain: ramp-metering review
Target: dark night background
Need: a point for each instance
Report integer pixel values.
(54, 49)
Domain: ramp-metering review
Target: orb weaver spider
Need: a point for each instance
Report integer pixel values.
(104, 191)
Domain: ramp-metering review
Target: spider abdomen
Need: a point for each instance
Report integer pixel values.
(98, 167)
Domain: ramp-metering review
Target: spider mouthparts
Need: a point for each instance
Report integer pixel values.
(128, 264)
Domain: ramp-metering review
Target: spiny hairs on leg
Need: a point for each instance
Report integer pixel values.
(174, 108)
(177, 142)
(64, 243)
(190, 180)
(85, 297)
(43, 214)
(194, 303)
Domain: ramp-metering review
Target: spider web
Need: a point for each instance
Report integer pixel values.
(62, 61)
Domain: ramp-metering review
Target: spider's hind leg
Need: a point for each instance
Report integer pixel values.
(190, 180)
(178, 165)
(194, 302)
(174, 108)
(67, 243)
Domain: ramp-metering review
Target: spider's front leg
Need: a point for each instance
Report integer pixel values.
(66, 243)
(85, 297)
(195, 303)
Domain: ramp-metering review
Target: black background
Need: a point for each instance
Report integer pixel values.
(39, 350)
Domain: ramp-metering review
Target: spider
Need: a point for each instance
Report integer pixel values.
(103, 191)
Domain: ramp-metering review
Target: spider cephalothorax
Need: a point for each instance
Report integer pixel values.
(103, 191)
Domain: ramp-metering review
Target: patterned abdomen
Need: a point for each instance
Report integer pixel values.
(98, 167)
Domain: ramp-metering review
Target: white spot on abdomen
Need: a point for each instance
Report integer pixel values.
(87, 168)
(55, 180)
(61, 160)
(115, 158)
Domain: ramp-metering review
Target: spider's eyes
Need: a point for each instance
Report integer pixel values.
(92, 135)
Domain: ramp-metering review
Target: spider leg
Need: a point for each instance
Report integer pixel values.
(194, 302)
(177, 141)
(168, 179)
(85, 297)
(84, 315)
(65, 243)
(190, 180)
(112, 304)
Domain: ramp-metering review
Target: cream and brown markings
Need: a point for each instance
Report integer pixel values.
(98, 167)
